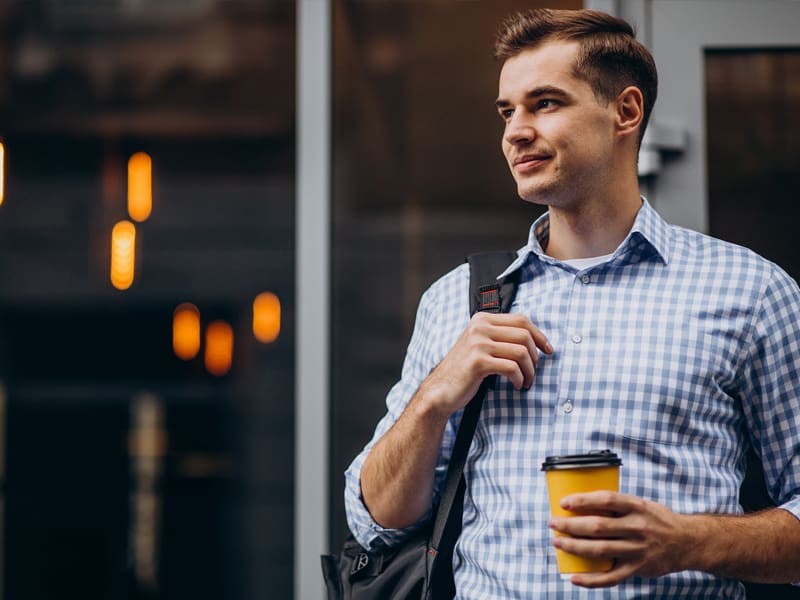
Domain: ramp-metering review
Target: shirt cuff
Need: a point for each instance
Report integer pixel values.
(368, 532)
(793, 507)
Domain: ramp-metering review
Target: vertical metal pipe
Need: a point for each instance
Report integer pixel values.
(312, 294)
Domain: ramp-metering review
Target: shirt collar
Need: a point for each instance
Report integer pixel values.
(648, 229)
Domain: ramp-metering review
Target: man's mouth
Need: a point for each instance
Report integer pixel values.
(529, 162)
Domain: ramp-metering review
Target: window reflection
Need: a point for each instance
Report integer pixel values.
(135, 469)
(752, 161)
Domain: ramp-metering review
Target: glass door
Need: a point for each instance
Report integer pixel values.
(687, 37)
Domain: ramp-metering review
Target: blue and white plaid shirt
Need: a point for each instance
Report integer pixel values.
(678, 353)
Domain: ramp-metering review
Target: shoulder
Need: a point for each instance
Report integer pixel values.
(699, 249)
(451, 289)
(706, 246)
(442, 314)
(731, 268)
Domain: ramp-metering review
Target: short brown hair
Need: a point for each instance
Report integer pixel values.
(610, 57)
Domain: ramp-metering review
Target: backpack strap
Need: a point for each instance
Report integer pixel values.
(486, 293)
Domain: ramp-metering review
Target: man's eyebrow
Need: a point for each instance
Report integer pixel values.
(544, 90)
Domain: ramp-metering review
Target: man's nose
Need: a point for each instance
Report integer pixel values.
(520, 128)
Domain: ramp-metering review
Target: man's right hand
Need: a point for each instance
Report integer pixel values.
(492, 344)
(398, 473)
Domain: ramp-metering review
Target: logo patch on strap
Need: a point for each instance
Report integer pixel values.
(360, 563)
(366, 565)
(489, 297)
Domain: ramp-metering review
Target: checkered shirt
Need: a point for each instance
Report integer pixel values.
(678, 353)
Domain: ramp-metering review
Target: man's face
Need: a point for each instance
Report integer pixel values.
(558, 140)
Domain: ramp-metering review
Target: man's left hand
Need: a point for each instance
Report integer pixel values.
(642, 537)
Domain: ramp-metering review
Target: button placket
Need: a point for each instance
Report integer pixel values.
(575, 322)
(567, 407)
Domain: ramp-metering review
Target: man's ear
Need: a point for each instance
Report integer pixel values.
(630, 111)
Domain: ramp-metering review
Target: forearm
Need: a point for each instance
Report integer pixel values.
(397, 478)
(762, 547)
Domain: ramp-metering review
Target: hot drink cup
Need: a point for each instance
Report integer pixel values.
(573, 474)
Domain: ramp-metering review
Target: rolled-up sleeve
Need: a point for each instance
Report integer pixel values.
(771, 389)
(423, 354)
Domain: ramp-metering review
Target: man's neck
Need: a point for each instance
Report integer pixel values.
(591, 228)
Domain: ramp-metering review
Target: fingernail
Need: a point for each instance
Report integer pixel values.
(548, 348)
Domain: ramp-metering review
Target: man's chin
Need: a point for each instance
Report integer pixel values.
(535, 196)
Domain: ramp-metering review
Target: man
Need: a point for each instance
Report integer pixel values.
(672, 349)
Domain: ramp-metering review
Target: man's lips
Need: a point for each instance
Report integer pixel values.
(530, 161)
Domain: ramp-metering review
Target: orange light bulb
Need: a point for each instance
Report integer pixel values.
(219, 348)
(123, 254)
(186, 331)
(140, 186)
(266, 317)
(2, 172)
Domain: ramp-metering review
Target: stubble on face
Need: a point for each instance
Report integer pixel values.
(557, 117)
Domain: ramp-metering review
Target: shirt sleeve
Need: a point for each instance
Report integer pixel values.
(421, 357)
(771, 389)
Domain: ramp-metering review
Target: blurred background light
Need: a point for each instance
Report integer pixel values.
(219, 348)
(123, 253)
(186, 331)
(266, 317)
(2, 172)
(140, 186)
(147, 447)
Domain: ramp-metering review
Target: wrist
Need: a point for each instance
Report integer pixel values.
(430, 405)
(699, 550)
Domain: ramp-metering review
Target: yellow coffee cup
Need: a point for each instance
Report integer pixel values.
(573, 474)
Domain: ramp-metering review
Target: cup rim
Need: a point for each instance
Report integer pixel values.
(593, 458)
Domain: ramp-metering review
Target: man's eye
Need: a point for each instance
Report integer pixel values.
(506, 113)
(546, 103)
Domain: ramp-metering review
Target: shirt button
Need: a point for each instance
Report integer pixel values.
(576, 339)
(567, 407)
(585, 279)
